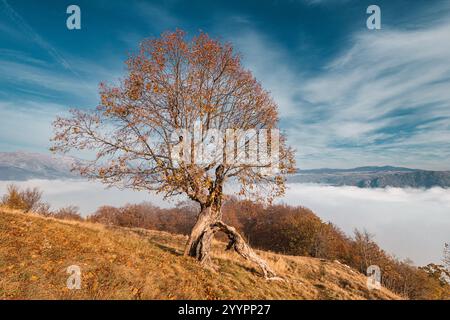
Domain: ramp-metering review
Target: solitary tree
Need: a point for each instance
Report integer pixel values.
(153, 132)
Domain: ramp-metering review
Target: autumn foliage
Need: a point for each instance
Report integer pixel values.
(29, 199)
(148, 131)
(289, 230)
(172, 84)
(292, 231)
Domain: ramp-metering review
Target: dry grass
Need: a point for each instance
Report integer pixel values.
(119, 263)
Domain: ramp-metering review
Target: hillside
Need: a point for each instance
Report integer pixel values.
(122, 263)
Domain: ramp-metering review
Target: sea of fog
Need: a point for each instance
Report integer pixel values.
(409, 223)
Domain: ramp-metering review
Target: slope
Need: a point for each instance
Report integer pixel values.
(121, 263)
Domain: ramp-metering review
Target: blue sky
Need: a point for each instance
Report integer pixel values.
(348, 96)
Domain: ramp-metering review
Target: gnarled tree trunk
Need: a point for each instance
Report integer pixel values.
(209, 222)
(199, 242)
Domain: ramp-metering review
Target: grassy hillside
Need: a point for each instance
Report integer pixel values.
(120, 263)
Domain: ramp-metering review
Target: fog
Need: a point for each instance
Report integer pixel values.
(86, 195)
(411, 223)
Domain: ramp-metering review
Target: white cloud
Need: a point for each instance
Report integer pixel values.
(26, 125)
(24, 72)
(25, 75)
(158, 16)
(383, 100)
(35, 37)
(86, 195)
(409, 223)
(269, 63)
(387, 95)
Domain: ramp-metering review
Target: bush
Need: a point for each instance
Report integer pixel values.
(13, 198)
(279, 228)
(145, 215)
(68, 213)
(26, 200)
(29, 200)
(288, 230)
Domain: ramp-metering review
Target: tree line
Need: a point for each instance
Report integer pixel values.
(293, 231)
(290, 230)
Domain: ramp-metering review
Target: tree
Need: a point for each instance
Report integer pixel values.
(366, 249)
(153, 132)
(69, 213)
(31, 199)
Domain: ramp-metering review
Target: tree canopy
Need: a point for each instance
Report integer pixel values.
(175, 87)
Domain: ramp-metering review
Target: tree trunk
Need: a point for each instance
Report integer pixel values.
(199, 243)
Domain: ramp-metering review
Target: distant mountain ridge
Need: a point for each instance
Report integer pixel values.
(22, 166)
(374, 177)
(360, 169)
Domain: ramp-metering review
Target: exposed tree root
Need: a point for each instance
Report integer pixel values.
(241, 247)
(200, 240)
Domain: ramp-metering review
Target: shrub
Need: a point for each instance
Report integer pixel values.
(26, 200)
(68, 213)
(289, 230)
(31, 199)
(13, 198)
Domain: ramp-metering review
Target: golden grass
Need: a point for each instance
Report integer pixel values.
(122, 263)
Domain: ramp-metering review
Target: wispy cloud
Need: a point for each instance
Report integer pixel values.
(157, 16)
(399, 218)
(270, 65)
(35, 94)
(36, 78)
(25, 74)
(88, 195)
(26, 125)
(382, 100)
(30, 32)
(388, 94)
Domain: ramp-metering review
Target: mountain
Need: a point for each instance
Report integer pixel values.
(374, 177)
(131, 263)
(21, 166)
